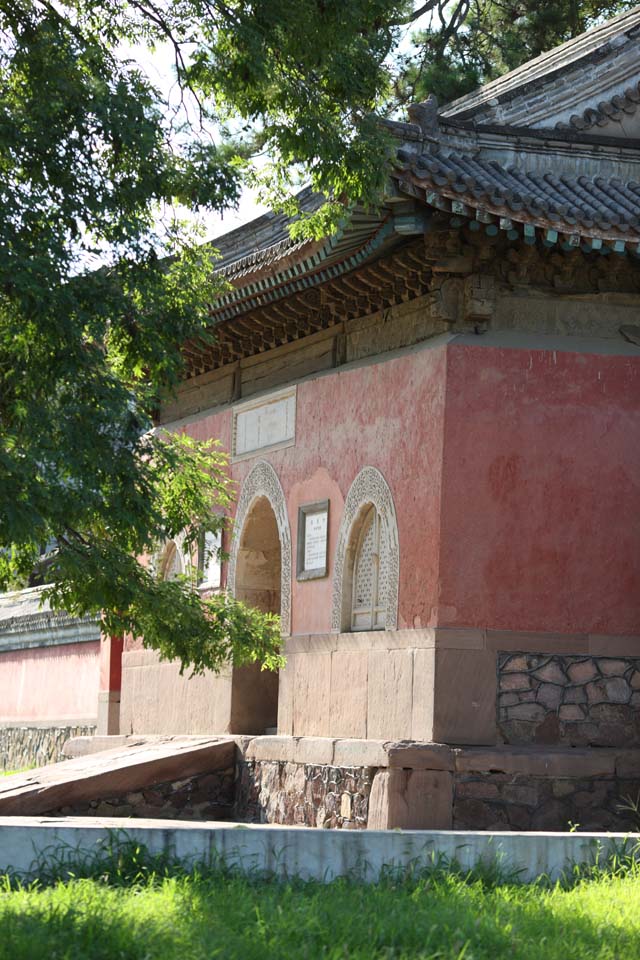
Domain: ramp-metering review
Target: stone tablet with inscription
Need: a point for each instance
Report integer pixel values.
(313, 533)
(315, 541)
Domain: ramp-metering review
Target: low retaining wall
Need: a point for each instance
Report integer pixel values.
(321, 855)
(546, 789)
(36, 746)
(375, 784)
(355, 784)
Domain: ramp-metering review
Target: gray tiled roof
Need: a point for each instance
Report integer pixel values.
(604, 111)
(594, 204)
(261, 242)
(589, 46)
(533, 163)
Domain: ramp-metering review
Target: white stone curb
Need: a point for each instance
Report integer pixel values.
(302, 851)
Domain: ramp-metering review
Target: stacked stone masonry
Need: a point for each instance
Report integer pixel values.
(253, 791)
(571, 700)
(310, 795)
(318, 782)
(22, 747)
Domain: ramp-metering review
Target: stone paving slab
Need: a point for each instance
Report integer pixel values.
(139, 763)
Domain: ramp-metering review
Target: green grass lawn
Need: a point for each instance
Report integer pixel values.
(440, 916)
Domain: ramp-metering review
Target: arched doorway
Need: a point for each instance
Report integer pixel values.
(258, 569)
(259, 562)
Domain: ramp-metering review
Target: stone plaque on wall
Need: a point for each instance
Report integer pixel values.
(264, 424)
(313, 540)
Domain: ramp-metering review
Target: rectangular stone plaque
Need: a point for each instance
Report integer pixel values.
(265, 423)
(313, 540)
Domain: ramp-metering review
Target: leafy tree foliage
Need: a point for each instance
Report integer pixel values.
(101, 283)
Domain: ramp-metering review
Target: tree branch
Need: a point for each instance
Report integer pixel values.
(429, 5)
(156, 16)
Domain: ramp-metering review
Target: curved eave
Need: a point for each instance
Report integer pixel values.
(337, 255)
(488, 210)
(550, 67)
(262, 262)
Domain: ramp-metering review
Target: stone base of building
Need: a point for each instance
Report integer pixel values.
(512, 688)
(375, 784)
(380, 785)
(37, 745)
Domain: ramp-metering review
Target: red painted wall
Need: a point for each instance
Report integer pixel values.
(50, 683)
(536, 455)
(541, 491)
(386, 415)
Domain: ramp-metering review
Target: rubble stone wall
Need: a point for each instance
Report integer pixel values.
(35, 746)
(502, 801)
(276, 791)
(355, 784)
(569, 700)
(207, 796)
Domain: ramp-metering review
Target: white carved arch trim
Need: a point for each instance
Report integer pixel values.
(262, 481)
(368, 488)
(172, 562)
(199, 560)
(170, 558)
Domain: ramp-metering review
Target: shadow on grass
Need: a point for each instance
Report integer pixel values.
(221, 915)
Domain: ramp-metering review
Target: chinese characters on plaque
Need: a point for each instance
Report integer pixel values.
(313, 540)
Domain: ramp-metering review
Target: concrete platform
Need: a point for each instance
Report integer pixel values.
(310, 854)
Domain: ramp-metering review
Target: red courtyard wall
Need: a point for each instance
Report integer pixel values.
(50, 683)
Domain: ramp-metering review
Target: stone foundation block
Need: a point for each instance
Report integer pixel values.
(360, 753)
(417, 756)
(411, 800)
(464, 697)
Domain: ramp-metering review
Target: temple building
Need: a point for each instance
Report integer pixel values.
(433, 420)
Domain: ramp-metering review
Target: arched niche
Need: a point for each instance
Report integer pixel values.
(261, 484)
(171, 559)
(368, 492)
